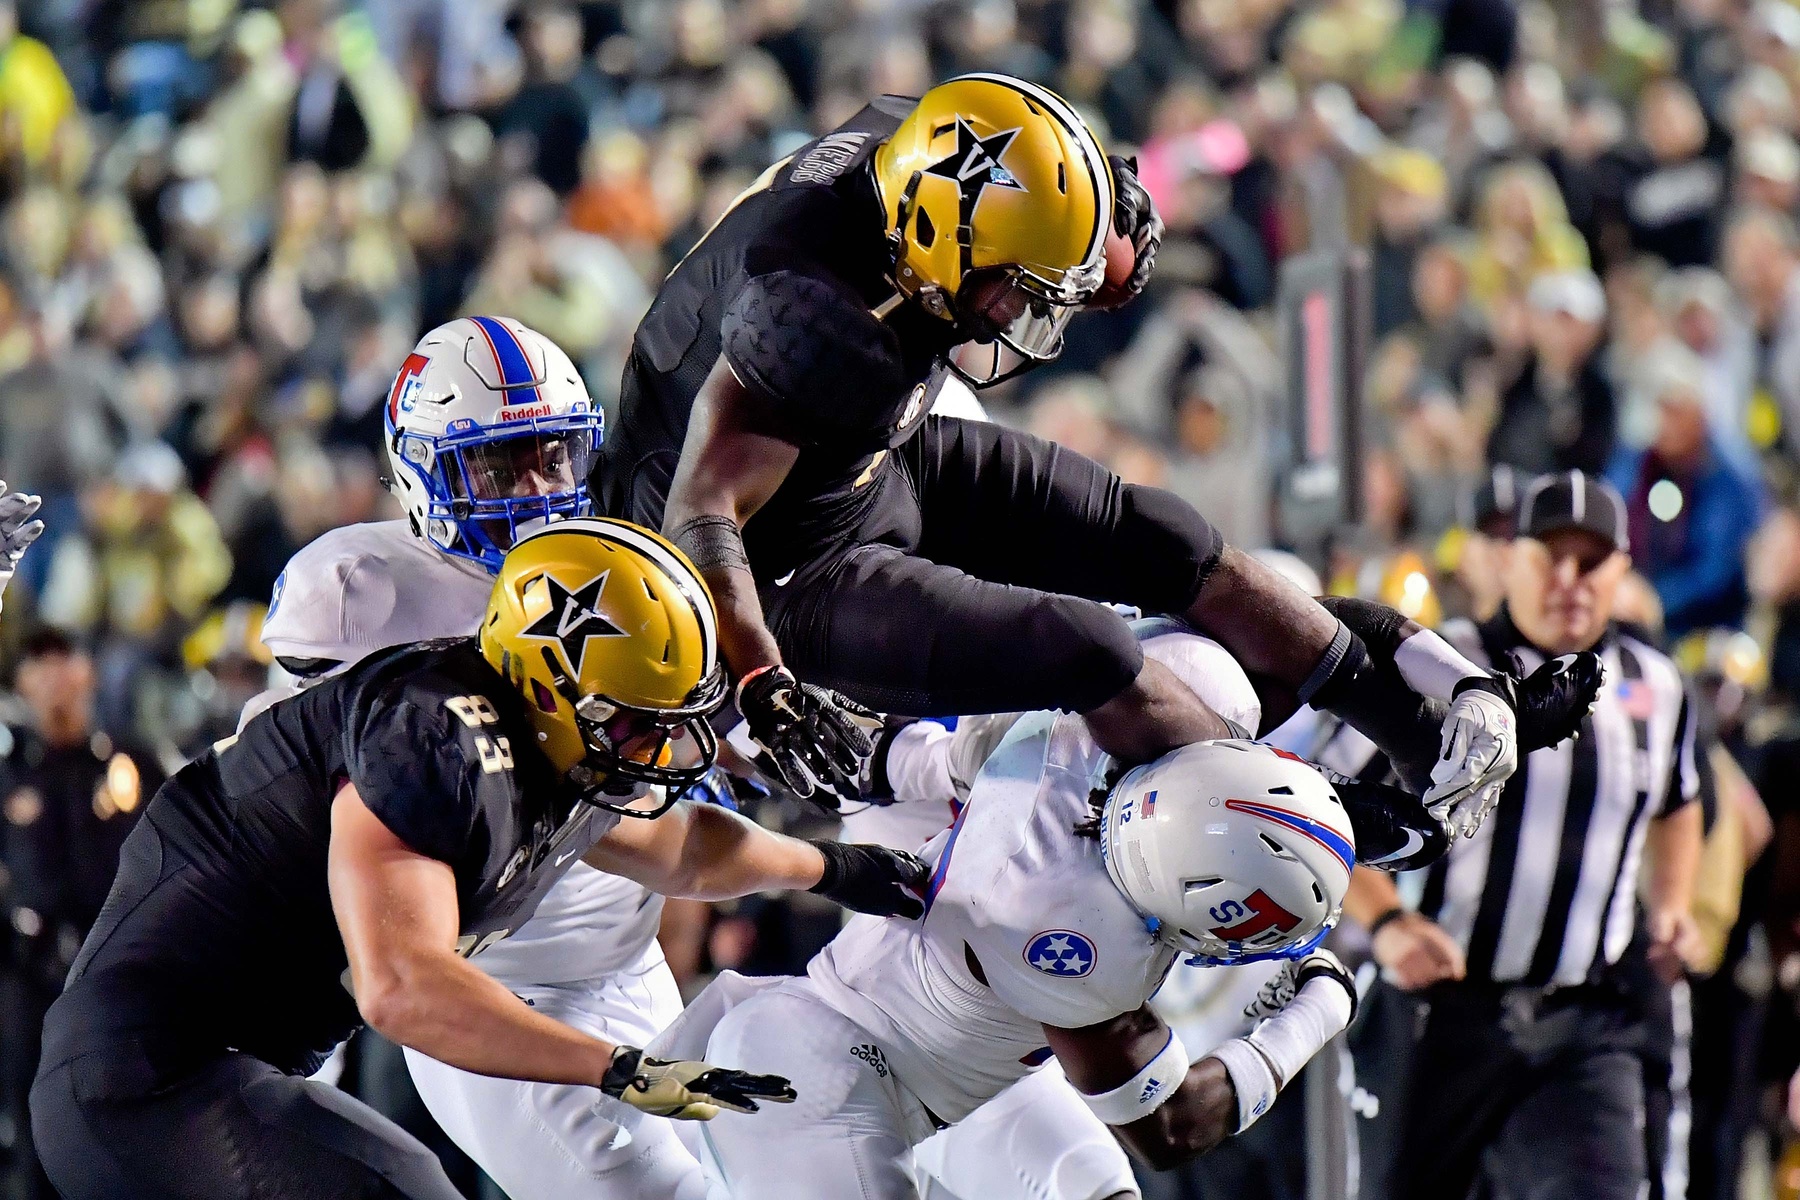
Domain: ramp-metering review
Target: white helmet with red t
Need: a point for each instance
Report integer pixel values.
(1232, 850)
(490, 433)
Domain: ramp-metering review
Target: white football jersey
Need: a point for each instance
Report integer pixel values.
(362, 588)
(1017, 890)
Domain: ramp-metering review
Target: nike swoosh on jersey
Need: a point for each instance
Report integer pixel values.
(783, 581)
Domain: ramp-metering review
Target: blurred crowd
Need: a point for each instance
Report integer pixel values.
(223, 224)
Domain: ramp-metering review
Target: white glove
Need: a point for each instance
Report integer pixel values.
(1480, 751)
(18, 529)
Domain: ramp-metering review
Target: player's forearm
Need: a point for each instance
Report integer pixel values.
(744, 638)
(1202, 1113)
(703, 852)
(446, 1008)
(1675, 845)
(1270, 626)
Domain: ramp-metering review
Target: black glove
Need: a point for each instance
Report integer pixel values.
(1551, 702)
(688, 1091)
(808, 735)
(872, 879)
(1135, 218)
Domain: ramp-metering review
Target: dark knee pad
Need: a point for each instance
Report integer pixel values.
(1164, 550)
(1081, 653)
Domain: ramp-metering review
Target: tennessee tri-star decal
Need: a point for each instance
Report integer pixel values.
(573, 618)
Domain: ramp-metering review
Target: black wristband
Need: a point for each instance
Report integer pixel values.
(1343, 660)
(711, 541)
(1385, 919)
(622, 1071)
(833, 853)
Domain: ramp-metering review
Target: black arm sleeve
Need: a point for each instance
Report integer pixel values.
(1368, 692)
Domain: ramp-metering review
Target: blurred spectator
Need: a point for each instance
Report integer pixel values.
(1560, 413)
(1691, 514)
(1762, 253)
(1675, 191)
(1705, 319)
(1410, 199)
(70, 795)
(1522, 232)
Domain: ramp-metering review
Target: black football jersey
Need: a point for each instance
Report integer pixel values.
(219, 929)
(783, 287)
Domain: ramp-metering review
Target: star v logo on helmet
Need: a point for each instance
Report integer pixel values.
(573, 617)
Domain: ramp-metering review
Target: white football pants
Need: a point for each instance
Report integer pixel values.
(853, 1130)
(542, 1141)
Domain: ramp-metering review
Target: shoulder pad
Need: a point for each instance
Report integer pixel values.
(810, 347)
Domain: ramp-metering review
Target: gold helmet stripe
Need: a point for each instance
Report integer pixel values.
(686, 581)
(1098, 170)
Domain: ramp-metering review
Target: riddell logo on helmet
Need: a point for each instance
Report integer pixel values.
(525, 411)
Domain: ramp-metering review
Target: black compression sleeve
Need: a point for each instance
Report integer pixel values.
(1381, 628)
(1366, 690)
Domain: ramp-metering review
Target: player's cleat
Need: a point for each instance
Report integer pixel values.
(1552, 701)
(1393, 830)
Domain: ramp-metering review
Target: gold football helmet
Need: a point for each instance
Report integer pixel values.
(609, 633)
(998, 200)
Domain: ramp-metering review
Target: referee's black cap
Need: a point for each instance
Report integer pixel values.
(1493, 507)
(1574, 500)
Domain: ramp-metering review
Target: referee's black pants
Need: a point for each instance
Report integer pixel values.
(1504, 1094)
(234, 1128)
(975, 575)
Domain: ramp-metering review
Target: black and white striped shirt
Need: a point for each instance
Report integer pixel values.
(1546, 893)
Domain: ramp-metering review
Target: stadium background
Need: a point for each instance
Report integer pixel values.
(1406, 242)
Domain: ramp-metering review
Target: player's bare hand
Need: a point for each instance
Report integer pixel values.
(688, 1091)
(1479, 753)
(873, 879)
(1675, 942)
(1413, 951)
(815, 740)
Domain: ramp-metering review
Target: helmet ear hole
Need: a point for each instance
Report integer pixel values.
(926, 231)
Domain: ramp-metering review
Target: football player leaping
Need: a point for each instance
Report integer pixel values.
(1056, 906)
(774, 424)
(338, 860)
(490, 431)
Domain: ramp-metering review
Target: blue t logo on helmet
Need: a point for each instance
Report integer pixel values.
(490, 433)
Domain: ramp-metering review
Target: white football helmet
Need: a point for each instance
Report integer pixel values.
(1233, 851)
(490, 432)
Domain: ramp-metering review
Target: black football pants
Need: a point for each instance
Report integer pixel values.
(978, 579)
(234, 1129)
(1486, 1097)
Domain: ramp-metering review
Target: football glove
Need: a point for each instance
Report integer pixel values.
(1478, 753)
(1285, 984)
(1552, 701)
(872, 879)
(18, 530)
(688, 1091)
(1135, 218)
(812, 739)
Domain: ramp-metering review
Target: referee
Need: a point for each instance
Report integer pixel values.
(1514, 995)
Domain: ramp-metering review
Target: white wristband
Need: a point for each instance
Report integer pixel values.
(1251, 1079)
(1317, 1013)
(1144, 1092)
(1433, 667)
